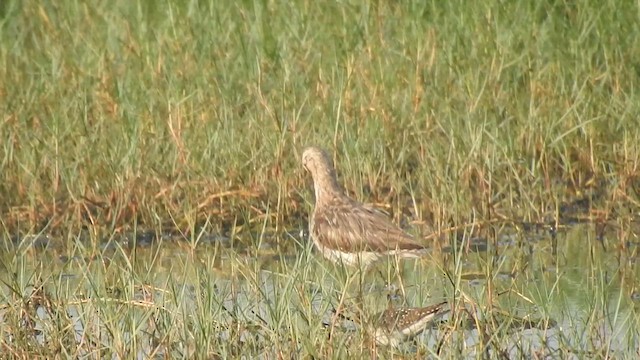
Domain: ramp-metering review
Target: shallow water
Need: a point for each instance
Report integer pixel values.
(559, 291)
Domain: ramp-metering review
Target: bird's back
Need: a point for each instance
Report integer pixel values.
(349, 226)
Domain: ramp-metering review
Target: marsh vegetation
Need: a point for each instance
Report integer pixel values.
(153, 203)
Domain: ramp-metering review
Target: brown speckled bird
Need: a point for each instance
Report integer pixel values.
(345, 230)
(393, 326)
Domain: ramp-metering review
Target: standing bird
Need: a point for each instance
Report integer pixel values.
(347, 231)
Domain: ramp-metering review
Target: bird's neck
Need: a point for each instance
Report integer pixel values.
(327, 187)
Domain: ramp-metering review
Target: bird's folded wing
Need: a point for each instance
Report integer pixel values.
(354, 227)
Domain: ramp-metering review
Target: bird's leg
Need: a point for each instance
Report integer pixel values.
(397, 269)
(343, 295)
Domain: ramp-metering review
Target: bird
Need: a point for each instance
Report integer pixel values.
(396, 325)
(347, 231)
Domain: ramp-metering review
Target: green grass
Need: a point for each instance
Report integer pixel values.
(189, 118)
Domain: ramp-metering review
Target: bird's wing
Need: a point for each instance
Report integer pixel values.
(404, 317)
(350, 226)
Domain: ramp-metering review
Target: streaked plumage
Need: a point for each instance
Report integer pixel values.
(393, 326)
(345, 230)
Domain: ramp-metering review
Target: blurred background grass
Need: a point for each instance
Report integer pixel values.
(178, 114)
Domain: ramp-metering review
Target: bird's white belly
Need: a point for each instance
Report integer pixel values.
(364, 258)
